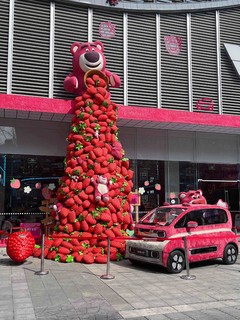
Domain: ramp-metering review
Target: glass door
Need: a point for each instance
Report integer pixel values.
(220, 181)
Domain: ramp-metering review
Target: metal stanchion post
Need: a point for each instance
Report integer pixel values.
(108, 276)
(42, 272)
(187, 276)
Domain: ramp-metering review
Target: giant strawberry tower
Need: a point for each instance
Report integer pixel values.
(95, 192)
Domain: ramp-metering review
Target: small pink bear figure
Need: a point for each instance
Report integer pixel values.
(87, 56)
(101, 188)
(117, 150)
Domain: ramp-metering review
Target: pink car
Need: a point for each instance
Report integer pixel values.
(159, 236)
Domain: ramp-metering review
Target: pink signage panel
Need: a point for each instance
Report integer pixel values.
(34, 228)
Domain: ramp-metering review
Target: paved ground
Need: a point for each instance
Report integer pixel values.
(76, 291)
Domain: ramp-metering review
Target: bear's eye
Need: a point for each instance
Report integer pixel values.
(194, 197)
(87, 50)
(198, 196)
(93, 49)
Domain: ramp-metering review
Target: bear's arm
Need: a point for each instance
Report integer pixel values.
(71, 83)
(114, 79)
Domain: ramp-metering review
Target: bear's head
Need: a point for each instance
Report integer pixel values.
(102, 179)
(192, 196)
(88, 56)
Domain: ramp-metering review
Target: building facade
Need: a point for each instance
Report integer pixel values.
(179, 102)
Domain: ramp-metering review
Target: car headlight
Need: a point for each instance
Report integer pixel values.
(161, 234)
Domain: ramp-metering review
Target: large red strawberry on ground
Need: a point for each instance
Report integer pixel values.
(94, 194)
(20, 245)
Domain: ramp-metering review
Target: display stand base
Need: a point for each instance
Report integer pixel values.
(185, 277)
(107, 277)
(41, 273)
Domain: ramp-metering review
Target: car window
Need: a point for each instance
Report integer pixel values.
(182, 223)
(203, 217)
(162, 216)
(195, 215)
(215, 216)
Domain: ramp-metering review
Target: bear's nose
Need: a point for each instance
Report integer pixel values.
(92, 56)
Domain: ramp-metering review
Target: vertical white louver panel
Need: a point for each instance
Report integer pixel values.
(204, 62)
(4, 8)
(229, 33)
(142, 60)
(71, 25)
(31, 48)
(113, 47)
(174, 62)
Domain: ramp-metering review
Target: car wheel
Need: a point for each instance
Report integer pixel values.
(230, 254)
(176, 262)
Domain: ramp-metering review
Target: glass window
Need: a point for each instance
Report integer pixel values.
(162, 216)
(214, 216)
(25, 178)
(196, 215)
(150, 174)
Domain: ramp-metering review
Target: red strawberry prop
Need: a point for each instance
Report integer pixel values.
(20, 245)
(88, 258)
(102, 258)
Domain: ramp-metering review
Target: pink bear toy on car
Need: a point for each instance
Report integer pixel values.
(192, 196)
(87, 56)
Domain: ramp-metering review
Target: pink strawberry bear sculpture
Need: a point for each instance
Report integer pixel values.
(192, 196)
(87, 56)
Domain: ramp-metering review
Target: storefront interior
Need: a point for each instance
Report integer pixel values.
(23, 178)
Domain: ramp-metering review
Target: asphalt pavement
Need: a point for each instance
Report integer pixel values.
(75, 291)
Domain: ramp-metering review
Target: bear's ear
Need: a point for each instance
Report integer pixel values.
(182, 195)
(200, 191)
(74, 47)
(99, 45)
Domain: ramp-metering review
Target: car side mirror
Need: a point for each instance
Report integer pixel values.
(192, 225)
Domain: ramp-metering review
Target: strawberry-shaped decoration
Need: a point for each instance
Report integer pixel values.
(38, 185)
(20, 245)
(15, 183)
(158, 186)
(94, 195)
(46, 192)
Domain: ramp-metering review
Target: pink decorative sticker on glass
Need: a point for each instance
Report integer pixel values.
(158, 186)
(15, 183)
(107, 30)
(173, 45)
(205, 104)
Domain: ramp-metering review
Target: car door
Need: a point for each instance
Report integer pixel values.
(202, 240)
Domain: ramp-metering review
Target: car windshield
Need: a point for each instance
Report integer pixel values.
(161, 216)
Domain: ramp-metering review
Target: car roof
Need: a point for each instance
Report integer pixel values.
(194, 206)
